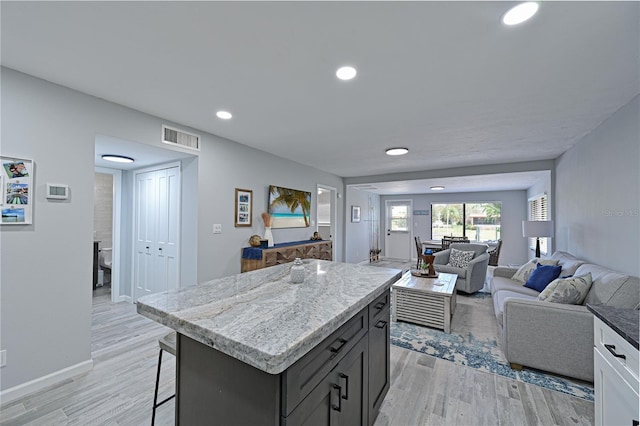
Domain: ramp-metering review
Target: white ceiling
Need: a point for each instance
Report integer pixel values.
(444, 79)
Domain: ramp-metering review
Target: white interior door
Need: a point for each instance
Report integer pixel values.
(398, 235)
(157, 231)
(326, 214)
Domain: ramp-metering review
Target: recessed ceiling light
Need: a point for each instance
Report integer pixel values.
(437, 188)
(397, 151)
(346, 73)
(520, 13)
(225, 115)
(117, 158)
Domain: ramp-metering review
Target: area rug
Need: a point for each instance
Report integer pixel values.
(473, 343)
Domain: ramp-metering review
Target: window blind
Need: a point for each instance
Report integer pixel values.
(539, 210)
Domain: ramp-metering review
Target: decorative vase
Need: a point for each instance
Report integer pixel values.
(268, 236)
(297, 271)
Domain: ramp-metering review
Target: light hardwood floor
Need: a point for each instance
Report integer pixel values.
(424, 390)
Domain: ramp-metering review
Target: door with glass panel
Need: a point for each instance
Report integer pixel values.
(398, 235)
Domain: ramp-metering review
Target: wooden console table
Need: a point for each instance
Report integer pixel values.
(256, 258)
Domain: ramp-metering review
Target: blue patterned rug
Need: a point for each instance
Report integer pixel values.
(473, 343)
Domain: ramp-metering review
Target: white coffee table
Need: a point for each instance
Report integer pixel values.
(426, 301)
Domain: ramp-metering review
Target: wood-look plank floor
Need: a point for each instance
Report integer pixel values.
(424, 390)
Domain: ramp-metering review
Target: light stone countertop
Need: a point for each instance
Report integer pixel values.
(261, 318)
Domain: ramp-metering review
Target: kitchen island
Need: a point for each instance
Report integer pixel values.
(254, 348)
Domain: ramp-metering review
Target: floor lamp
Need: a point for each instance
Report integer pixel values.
(537, 229)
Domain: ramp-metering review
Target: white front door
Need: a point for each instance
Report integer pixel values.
(398, 235)
(157, 231)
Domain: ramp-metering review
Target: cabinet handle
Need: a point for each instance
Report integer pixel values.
(612, 349)
(335, 351)
(346, 386)
(381, 324)
(380, 305)
(338, 407)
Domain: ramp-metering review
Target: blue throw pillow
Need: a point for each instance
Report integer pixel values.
(542, 276)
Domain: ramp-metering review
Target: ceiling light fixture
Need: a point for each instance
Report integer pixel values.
(520, 13)
(225, 115)
(117, 158)
(397, 151)
(346, 73)
(437, 188)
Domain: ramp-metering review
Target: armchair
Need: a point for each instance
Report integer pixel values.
(472, 278)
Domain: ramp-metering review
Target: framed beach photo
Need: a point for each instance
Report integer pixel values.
(289, 208)
(16, 183)
(355, 213)
(244, 207)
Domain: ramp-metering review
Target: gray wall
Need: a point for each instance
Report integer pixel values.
(597, 206)
(514, 210)
(46, 275)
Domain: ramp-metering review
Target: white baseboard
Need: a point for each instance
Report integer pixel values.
(35, 385)
(124, 298)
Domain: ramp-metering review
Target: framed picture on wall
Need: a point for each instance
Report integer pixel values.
(355, 213)
(16, 182)
(244, 207)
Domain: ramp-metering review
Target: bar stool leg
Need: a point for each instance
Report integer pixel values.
(155, 394)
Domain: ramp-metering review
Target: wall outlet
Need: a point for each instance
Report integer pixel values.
(217, 228)
(3, 358)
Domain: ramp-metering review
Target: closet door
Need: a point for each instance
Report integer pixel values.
(157, 231)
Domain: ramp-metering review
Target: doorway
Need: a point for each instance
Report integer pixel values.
(326, 214)
(106, 225)
(398, 225)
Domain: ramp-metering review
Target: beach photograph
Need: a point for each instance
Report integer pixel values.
(12, 215)
(289, 208)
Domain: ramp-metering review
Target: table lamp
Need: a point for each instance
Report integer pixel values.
(537, 229)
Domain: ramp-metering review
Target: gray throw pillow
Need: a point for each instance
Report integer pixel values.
(523, 273)
(459, 258)
(570, 291)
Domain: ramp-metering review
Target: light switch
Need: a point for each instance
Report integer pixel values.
(217, 228)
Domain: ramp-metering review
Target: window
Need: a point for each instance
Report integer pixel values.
(538, 210)
(479, 222)
(399, 218)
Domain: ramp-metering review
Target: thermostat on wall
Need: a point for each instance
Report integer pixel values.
(57, 191)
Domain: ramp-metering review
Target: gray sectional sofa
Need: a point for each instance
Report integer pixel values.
(556, 337)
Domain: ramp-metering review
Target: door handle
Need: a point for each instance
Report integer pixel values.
(338, 407)
(612, 349)
(346, 386)
(160, 248)
(381, 324)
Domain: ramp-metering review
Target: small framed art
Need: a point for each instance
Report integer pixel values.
(355, 213)
(16, 181)
(244, 207)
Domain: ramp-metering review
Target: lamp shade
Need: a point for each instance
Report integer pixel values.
(537, 228)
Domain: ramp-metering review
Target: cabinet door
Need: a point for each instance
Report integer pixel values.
(616, 401)
(352, 376)
(340, 398)
(379, 353)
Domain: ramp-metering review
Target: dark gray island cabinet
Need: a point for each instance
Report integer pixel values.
(319, 355)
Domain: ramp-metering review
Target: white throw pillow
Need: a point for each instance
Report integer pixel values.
(525, 270)
(459, 258)
(570, 291)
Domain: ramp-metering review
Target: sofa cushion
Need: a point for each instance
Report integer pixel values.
(568, 262)
(501, 283)
(499, 298)
(610, 287)
(525, 270)
(459, 258)
(570, 291)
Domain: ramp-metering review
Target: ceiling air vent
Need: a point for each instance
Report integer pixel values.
(181, 138)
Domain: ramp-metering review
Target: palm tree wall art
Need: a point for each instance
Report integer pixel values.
(289, 208)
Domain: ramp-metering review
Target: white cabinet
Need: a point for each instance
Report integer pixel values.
(616, 380)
